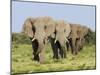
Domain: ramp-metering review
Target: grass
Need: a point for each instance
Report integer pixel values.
(22, 60)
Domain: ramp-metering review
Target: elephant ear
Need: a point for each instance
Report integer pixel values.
(68, 29)
(28, 27)
(85, 31)
(88, 33)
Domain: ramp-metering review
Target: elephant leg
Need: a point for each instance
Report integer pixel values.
(78, 42)
(63, 50)
(59, 50)
(61, 53)
(36, 57)
(67, 45)
(38, 50)
(54, 48)
(57, 46)
(71, 45)
(82, 44)
(35, 48)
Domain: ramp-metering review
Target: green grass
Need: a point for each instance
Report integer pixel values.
(22, 60)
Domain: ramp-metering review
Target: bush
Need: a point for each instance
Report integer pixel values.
(91, 38)
(20, 38)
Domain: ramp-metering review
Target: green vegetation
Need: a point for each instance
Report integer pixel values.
(22, 58)
(90, 38)
(20, 38)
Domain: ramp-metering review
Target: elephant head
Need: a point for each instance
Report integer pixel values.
(83, 33)
(73, 37)
(76, 37)
(62, 31)
(39, 29)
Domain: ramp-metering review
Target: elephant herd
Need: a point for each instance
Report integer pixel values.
(61, 36)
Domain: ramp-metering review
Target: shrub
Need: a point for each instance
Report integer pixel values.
(20, 38)
(91, 38)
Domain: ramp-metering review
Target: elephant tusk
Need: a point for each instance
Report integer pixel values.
(33, 39)
(67, 40)
(55, 40)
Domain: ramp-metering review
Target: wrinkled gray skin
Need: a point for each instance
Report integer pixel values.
(62, 31)
(39, 30)
(43, 28)
(77, 37)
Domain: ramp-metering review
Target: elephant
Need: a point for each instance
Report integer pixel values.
(39, 30)
(77, 37)
(82, 32)
(62, 31)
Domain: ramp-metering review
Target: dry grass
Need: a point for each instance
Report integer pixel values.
(22, 60)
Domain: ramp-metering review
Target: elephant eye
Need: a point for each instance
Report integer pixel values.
(64, 30)
(45, 27)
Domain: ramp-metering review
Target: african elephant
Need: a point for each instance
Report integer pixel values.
(39, 30)
(82, 33)
(62, 31)
(77, 37)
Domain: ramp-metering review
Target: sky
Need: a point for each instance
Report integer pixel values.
(80, 14)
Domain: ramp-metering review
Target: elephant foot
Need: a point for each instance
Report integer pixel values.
(41, 59)
(80, 48)
(36, 58)
(74, 53)
(41, 62)
(56, 55)
(65, 56)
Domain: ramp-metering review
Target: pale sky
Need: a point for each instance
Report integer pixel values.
(80, 14)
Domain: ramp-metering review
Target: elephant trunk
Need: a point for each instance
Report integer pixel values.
(41, 51)
(63, 49)
(33, 39)
(73, 46)
(41, 45)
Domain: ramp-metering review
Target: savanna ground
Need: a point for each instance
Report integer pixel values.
(22, 60)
